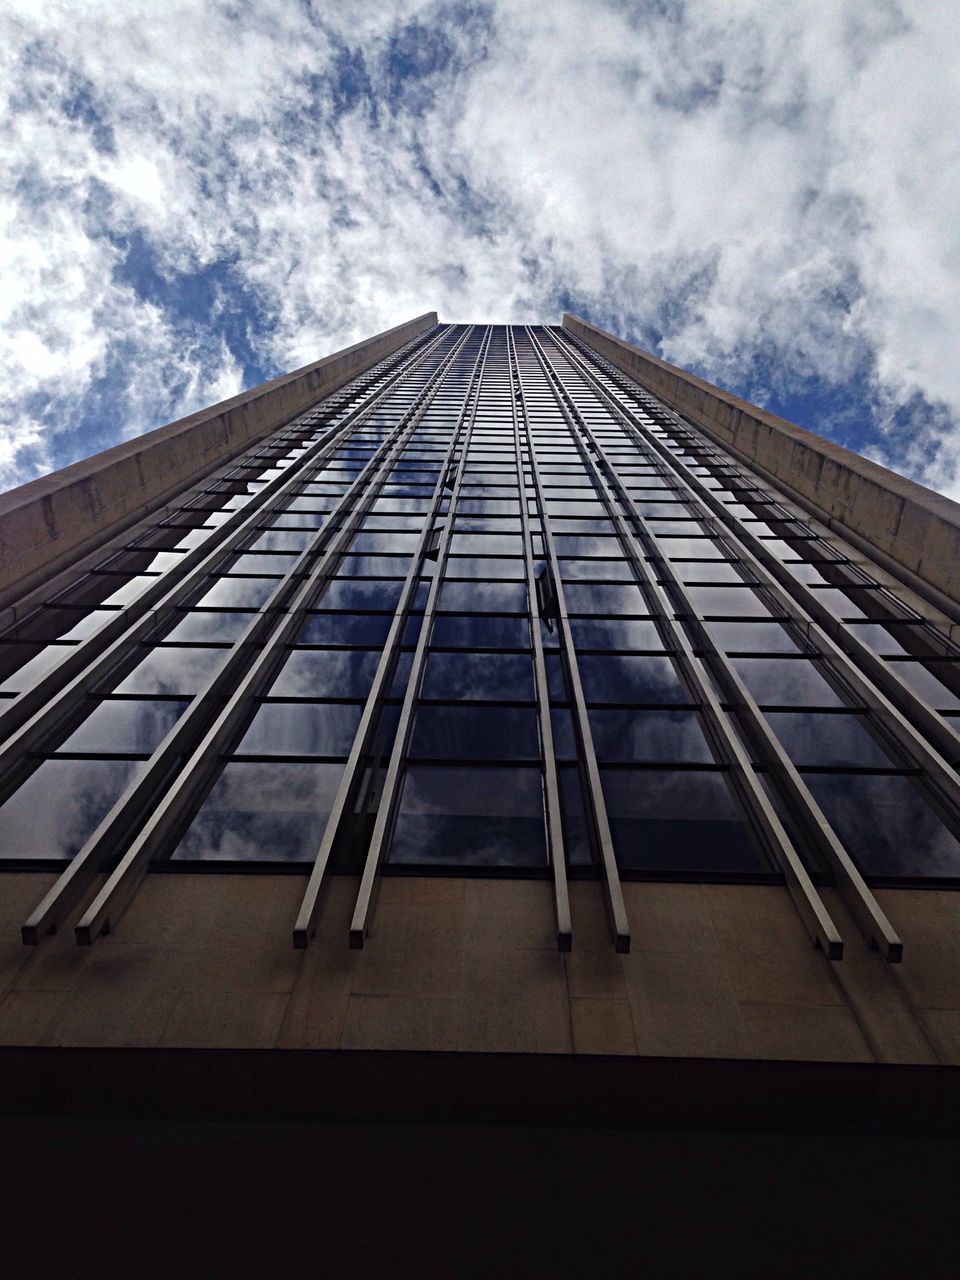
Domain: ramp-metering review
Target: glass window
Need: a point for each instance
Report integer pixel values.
(751, 637)
(344, 629)
(886, 825)
(930, 682)
(177, 672)
(614, 633)
(237, 593)
(209, 628)
(123, 726)
(635, 736)
(301, 729)
(827, 739)
(479, 676)
(676, 821)
(726, 602)
(263, 811)
(786, 682)
(326, 673)
(602, 597)
(478, 733)
(363, 593)
(452, 631)
(60, 805)
(470, 817)
(629, 678)
(491, 597)
(29, 665)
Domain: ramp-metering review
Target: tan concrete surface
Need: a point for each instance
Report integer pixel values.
(469, 964)
(914, 526)
(55, 519)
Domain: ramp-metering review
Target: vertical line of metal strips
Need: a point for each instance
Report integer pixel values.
(809, 904)
(306, 922)
(366, 893)
(30, 715)
(867, 911)
(561, 894)
(613, 892)
(110, 832)
(905, 735)
(896, 704)
(293, 597)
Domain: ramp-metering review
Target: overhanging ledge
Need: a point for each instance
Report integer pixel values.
(918, 530)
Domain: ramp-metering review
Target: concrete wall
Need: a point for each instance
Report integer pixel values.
(917, 528)
(51, 521)
(470, 965)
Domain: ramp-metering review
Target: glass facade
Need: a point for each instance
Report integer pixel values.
(490, 609)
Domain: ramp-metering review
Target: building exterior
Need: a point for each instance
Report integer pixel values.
(485, 724)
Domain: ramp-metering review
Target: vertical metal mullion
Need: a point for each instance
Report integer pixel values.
(553, 814)
(122, 884)
(366, 893)
(616, 908)
(305, 925)
(32, 713)
(110, 832)
(894, 702)
(809, 904)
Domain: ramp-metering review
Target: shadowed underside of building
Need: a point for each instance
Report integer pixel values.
(487, 799)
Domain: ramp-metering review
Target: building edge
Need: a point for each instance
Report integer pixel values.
(915, 529)
(52, 521)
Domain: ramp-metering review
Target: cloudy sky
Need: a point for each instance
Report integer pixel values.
(199, 195)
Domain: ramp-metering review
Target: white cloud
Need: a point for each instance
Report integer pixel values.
(772, 189)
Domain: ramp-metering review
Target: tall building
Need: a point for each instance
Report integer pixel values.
(487, 725)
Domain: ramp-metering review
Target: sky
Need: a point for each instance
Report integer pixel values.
(197, 196)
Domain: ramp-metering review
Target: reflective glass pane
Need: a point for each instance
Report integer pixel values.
(886, 825)
(301, 729)
(479, 632)
(125, 726)
(343, 628)
(614, 633)
(478, 733)
(727, 602)
(828, 739)
(60, 806)
(210, 628)
(629, 678)
(603, 597)
(751, 637)
(174, 672)
(470, 817)
(931, 682)
(491, 597)
(633, 736)
(786, 682)
(362, 593)
(684, 820)
(262, 812)
(326, 673)
(237, 593)
(479, 676)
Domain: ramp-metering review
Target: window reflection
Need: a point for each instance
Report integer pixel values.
(174, 672)
(301, 729)
(263, 812)
(479, 676)
(478, 733)
(470, 817)
(480, 632)
(786, 682)
(125, 726)
(886, 825)
(630, 678)
(636, 736)
(326, 673)
(686, 821)
(60, 806)
(827, 739)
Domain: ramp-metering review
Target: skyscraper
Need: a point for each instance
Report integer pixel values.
(552, 701)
